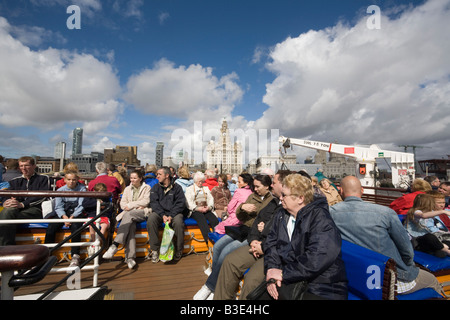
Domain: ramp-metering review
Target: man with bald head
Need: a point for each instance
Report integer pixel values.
(379, 229)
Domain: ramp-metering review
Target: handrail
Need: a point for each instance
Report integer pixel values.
(89, 222)
(50, 194)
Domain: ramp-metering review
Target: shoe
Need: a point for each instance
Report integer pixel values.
(131, 263)
(109, 254)
(208, 271)
(75, 261)
(210, 297)
(155, 256)
(91, 251)
(203, 293)
(178, 255)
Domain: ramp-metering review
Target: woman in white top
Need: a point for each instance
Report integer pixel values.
(200, 203)
(135, 205)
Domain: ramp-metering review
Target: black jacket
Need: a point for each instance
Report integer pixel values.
(265, 215)
(168, 201)
(37, 182)
(313, 254)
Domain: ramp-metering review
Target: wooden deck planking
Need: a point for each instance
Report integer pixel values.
(148, 281)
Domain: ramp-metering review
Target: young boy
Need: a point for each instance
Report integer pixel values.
(68, 208)
(439, 198)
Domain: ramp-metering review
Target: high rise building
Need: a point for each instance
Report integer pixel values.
(159, 154)
(224, 155)
(77, 141)
(60, 153)
(60, 150)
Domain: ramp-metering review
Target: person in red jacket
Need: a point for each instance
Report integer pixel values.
(211, 180)
(112, 184)
(402, 204)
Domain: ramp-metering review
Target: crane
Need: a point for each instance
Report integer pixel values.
(402, 163)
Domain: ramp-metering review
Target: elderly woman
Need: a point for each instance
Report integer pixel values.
(200, 203)
(330, 192)
(304, 244)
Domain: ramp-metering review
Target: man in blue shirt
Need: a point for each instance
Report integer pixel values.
(379, 229)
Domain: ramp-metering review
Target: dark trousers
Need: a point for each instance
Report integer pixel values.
(154, 221)
(8, 231)
(202, 221)
(53, 228)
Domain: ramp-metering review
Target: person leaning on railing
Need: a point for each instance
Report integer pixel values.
(22, 207)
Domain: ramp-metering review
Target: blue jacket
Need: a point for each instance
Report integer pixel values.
(377, 228)
(313, 254)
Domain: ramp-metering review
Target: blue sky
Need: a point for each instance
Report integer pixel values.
(139, 70)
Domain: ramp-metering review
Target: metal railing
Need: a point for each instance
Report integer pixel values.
(93, 222)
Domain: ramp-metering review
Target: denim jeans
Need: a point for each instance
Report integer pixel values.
(221, 249)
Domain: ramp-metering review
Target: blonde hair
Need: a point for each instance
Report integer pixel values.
(423, 202)
(420, 185)
(71, 168)
(183, 172)
(300, 186)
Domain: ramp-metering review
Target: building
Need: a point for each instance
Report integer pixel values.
(46, 165)
(224, 155)
(77, 141)
(60, 153)
(337, 166)
(86, 162)
(122, 154)
(159, 156)
(274, 162)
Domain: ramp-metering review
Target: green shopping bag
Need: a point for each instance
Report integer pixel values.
(167, 247)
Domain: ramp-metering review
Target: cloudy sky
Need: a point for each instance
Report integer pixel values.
(138, 72)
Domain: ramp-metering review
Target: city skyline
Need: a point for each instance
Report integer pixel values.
(136, 72)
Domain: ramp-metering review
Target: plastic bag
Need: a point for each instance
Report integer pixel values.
(167, 247)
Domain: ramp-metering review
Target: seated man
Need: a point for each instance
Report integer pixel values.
(168, 205)
(112, 184)
(22, 207)
(379, 229)
(68, 208)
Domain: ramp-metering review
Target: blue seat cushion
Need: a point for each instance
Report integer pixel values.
(214, 236)
(432, 263)
(423, 294)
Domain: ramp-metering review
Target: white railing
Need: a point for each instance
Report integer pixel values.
(95, 222)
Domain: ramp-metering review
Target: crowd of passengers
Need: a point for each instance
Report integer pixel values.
(280, 231)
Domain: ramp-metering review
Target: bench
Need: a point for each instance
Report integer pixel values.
(372, 276)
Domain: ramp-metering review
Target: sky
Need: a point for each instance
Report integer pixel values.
(141, 71)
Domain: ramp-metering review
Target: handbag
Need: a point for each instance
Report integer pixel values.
(167, 247)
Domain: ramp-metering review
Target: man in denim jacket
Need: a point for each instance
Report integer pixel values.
(379, 229)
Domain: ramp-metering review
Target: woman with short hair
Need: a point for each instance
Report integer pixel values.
(304, 244)
(200, 203)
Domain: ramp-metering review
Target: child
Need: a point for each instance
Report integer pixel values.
(68, 208)
(440, 205)
(90, 205)
(428, 233)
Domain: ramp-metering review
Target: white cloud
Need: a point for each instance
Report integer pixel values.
(356, 85)
(48, 88)
(191, 92)
(102, 144)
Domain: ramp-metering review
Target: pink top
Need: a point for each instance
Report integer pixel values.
(239, 197)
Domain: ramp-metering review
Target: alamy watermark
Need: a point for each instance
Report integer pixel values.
(253, 143)
(74, 21)
(374, 21)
